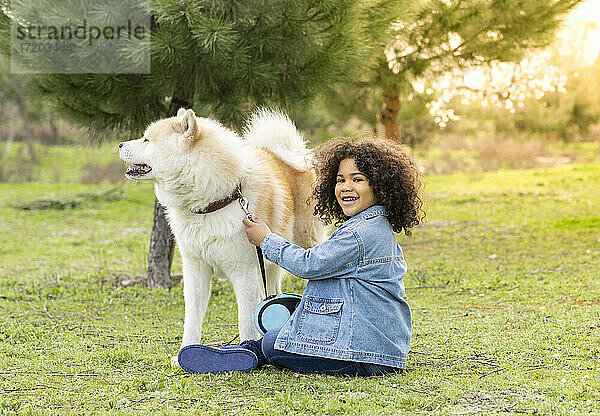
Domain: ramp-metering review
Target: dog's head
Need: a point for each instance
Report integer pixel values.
(158, 152)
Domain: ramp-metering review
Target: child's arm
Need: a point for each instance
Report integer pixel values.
(338, 252)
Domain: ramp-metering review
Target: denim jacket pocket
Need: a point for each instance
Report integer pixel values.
(320, 319)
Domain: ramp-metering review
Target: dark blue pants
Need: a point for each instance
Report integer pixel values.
(267, 354)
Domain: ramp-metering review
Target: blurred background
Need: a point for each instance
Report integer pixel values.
(539, 107)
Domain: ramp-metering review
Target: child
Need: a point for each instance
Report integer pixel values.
(352, 319)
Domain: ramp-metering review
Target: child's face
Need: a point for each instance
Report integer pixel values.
(352, 189)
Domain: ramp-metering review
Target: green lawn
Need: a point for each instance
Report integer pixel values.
(503, 281)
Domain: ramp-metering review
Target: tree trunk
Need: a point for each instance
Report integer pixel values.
(162, 242)
(53, 129)
(162, 247)
(28, 137)
(388, 115)
(10, 140)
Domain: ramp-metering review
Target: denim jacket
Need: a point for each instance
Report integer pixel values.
(353, 307)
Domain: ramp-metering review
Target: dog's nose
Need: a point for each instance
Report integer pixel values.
(120, 145)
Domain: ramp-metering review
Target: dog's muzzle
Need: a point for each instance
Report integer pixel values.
(136, 170)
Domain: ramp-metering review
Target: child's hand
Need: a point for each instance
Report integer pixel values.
(256, 231)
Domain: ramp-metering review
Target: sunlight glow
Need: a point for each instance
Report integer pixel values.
(508, 84)
(586, 18)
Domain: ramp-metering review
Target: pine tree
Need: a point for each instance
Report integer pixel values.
(446, 35)
(222, 57)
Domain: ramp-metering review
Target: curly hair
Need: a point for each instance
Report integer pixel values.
(390, 169)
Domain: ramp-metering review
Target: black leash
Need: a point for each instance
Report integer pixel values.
(261, 260)
(268, 314)
(261, 263)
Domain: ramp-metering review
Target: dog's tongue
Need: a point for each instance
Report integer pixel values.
(138, 169)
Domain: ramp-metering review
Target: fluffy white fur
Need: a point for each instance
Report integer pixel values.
(196, 161)
(274, 130)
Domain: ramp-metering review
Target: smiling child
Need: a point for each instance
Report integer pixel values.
(352, 319)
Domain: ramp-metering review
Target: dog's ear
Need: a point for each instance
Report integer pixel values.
(180, 112)
(189, 125)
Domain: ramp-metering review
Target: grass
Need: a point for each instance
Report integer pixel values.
(503, 282)
(64, 163)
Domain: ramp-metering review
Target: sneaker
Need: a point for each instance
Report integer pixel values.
(256, 347)
(214, 360)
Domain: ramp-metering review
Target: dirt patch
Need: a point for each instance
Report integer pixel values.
(482, 401)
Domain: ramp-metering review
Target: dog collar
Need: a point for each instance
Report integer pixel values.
(222, 203)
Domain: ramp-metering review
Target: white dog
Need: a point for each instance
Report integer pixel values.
(200, 168)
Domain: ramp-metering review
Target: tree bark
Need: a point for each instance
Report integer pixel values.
(162, 242)
(53, 129)
(28, 137)
(388, 115)
(10, 140)
(162, 247)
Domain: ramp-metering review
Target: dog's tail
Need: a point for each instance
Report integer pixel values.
(273, 130)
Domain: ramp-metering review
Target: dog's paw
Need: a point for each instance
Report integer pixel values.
(175, 362)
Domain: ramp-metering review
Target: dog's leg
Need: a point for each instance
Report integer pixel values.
(197, 277)
(274, 274)
(247, 287)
